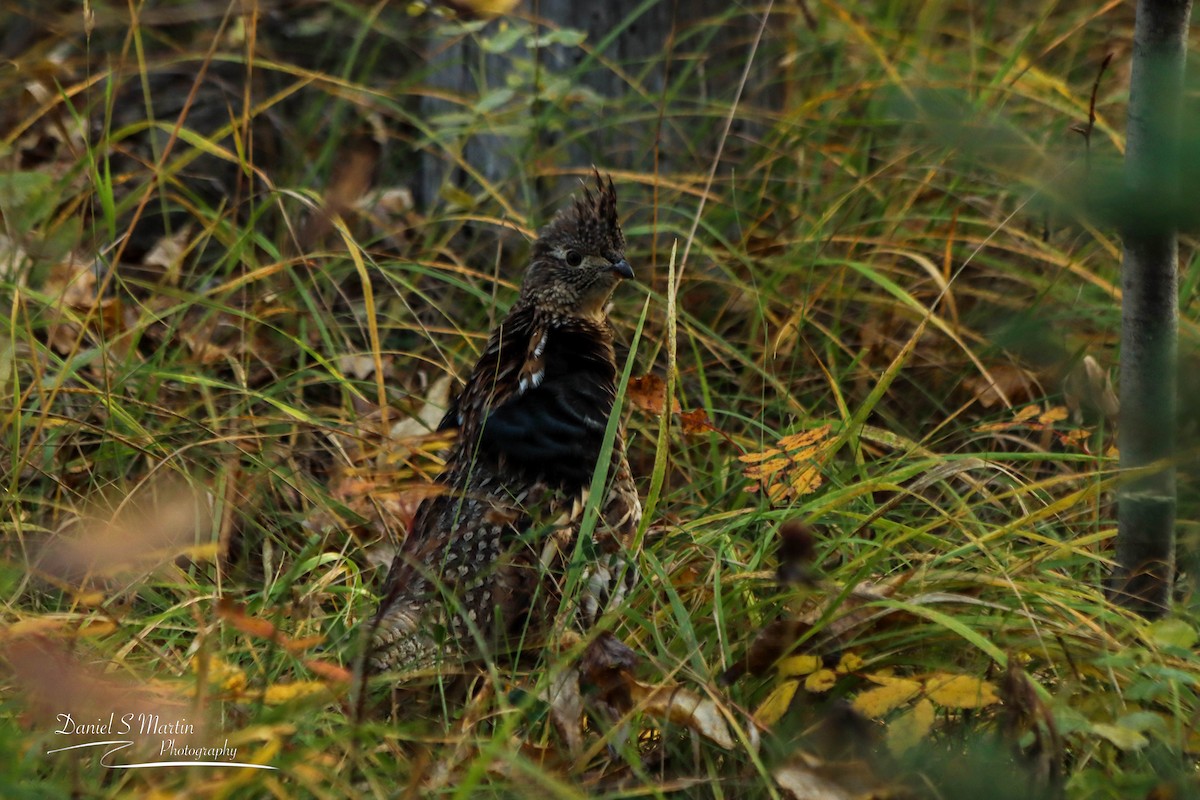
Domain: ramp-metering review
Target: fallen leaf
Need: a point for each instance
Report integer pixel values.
(911, 727)
(696, 421)
(821, 681)
(960, 691)
(894, 693)
(1053, 415)
(797, 666)
(682, 707)
(279, 693)
(649, 393)
(235, 614)
(329, 671)
(776, 705)
(800, 782)
(849, 662)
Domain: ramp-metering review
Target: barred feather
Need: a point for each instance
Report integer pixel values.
(488, 558)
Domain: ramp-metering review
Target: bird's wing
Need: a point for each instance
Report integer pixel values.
(551, 423)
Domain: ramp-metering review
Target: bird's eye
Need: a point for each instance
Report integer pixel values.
(573, 258)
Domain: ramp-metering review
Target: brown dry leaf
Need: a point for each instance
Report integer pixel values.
(911, 727)
(1007, 381)
(353, 174)
(75, 283)
(776, 705)
(960, 691)
(893, 693)
(433, 408)
(566, 708)
(1089, 388)
(649, 393)
(696, 421)
(682, 707)
(167, 254)
(800, 781)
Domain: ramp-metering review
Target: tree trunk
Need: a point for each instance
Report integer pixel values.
(1149, 314)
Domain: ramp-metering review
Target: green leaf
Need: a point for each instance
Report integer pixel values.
(1172, 632)
(1124, 738)
(494, 99)
(505, 39)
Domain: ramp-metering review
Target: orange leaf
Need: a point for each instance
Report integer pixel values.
(804, 438)
(696, 421)
(649, 393)
(329, 671)
(235, 615)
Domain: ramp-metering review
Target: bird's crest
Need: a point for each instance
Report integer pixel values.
(591, 221)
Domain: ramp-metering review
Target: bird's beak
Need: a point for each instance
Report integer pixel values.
(623, 269)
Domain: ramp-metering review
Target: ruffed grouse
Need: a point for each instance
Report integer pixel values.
(488, 557)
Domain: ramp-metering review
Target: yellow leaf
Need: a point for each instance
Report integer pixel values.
(765, 469)
(849, 662)
(1053, 415)
(960, 691)
(795, 666)
(286, 692)
(820, 681)
(34, 625)
(202, 552)
(804, 439)
(227, 676)
(807, 480)
(777, 702)
(89, 598)
(99, 627)
(490, 8)
(1027, 413)
(911, 727)
(879, 701)
(754, 458)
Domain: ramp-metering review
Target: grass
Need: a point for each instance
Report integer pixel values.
(887, 252)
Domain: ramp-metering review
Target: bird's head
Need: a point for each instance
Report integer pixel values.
(579, 257)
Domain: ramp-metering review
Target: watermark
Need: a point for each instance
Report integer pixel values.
(168, 739)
